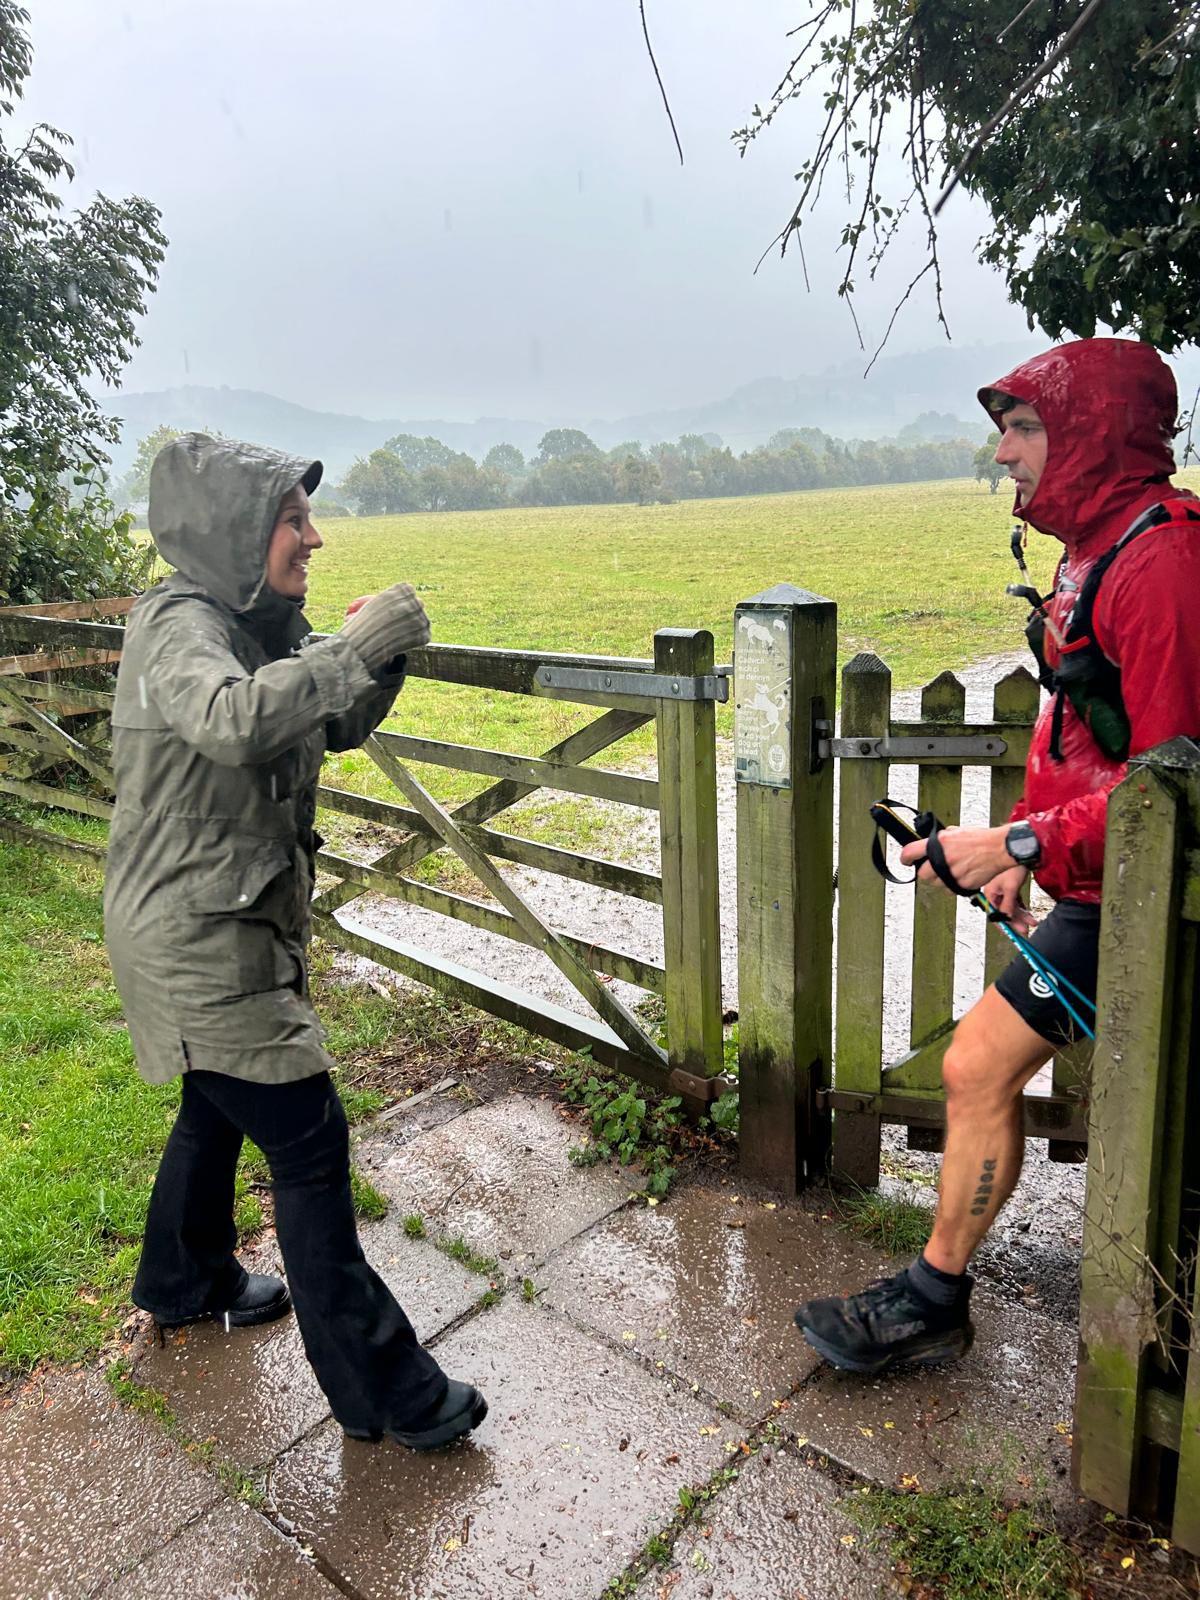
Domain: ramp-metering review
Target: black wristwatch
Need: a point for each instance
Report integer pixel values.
(1022, 845)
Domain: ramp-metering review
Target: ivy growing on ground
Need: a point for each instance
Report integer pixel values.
(627, 1126)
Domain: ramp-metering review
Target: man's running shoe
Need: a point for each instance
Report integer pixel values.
(888, 1323)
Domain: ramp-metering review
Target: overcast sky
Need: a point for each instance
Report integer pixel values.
(467, 207)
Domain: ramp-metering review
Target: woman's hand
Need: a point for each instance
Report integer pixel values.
(357, 605)
(1004, 891)
(975, 856)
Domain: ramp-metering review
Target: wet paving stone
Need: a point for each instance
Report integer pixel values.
(706, 1285)
(253, 1390)
(1002, 1414)
(231, 1554)
(86, 1490)
(581, 1458)
(499, 1176)
(779, 1533)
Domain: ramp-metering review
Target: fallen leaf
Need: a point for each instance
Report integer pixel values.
(867, 1433)
(849, 1538)
(1127, 1562)
(708, 1428)
(628, 1336)
(889, 1424)
(452, 1544)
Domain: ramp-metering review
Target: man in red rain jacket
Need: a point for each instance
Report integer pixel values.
(1086, 435)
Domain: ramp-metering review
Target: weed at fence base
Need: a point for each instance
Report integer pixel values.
(969, 1545)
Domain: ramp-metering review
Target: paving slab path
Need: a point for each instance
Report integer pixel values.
(628, 1353)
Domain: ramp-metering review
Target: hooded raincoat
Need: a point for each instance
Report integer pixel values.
(224, 709)
(1109, 410)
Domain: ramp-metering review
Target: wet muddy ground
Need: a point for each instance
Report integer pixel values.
(628, 1352)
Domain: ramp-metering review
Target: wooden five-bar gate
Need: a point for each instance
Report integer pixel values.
(804, 1110)
(46, 721)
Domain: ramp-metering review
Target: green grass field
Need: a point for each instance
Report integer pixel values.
(918, 572)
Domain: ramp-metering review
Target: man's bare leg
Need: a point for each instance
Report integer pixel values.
(923, 1312)
(991, 1058)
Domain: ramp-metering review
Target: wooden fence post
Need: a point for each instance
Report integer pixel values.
(785, 648)
(866, 710)
(687, 779)
(1118, 1320)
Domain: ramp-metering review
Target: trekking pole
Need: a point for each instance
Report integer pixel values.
(926, 826)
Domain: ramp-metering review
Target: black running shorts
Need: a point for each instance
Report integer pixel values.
(1069, 939)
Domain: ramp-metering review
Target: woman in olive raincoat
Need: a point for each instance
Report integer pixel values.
(224, 709)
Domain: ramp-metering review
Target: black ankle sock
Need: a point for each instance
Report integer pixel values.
(935, 1286)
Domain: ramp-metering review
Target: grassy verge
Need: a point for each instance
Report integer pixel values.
(970, 1545)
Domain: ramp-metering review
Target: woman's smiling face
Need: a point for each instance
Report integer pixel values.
(293, 540)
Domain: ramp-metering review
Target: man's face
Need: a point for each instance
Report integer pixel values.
(1022, 449)
(293, 540)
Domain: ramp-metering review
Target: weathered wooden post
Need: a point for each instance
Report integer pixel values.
(866, 711)
(785, 648)
(1128, 1405)
(687, 783)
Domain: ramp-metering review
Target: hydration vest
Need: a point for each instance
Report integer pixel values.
(1084, 674)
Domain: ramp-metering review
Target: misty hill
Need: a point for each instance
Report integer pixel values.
(840, 402)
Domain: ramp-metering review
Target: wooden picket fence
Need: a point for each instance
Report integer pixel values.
(941, 744)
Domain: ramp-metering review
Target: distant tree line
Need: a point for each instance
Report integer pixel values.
(412, 474)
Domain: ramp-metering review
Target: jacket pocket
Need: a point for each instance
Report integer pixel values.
(236, 887)
(231, 926)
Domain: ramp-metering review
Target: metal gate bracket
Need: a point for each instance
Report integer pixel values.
(650, 685)
(909, 748)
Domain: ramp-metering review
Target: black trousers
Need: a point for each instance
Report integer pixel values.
(361, 1345)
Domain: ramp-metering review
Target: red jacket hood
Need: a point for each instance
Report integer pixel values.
(1109, 408)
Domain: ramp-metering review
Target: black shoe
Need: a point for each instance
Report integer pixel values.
(887, 1324)
(263, 1299)
(461, 1408)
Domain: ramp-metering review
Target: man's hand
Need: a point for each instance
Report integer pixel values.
(975, 856)
(1004, 891)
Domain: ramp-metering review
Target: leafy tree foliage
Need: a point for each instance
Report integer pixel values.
(381, 484)
(560, 444)
(135, 485)
(416, 454)
(505, 458)
(71, 290)
(1074, 123)
(986, 465)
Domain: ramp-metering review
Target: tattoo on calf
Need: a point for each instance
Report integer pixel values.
(983, 1193)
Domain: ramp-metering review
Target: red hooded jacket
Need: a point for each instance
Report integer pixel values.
(1109, 410)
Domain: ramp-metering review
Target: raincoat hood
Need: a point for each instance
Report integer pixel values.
(1109, 408)
(213, 504)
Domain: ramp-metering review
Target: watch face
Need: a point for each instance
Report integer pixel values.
(1022, 845)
